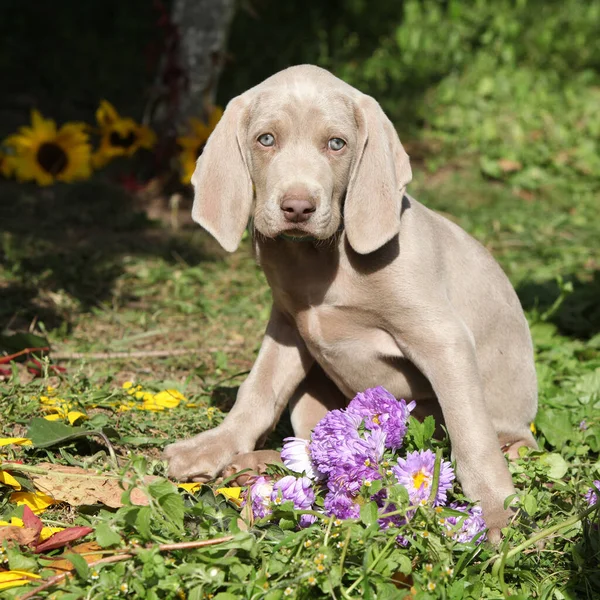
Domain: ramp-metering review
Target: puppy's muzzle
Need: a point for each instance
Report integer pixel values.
(297, 208)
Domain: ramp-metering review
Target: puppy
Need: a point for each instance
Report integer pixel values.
(369, 286)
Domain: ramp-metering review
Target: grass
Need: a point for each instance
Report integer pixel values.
(84, 266)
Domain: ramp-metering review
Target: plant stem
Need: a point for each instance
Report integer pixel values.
(534, 539)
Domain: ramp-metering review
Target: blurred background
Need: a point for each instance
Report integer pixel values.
(496, 102)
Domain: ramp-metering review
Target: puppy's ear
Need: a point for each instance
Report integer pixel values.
(222, 184)
(378, 180)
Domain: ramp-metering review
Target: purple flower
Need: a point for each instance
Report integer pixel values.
(299, 490)
(332, 440)
(583, 425)
(296, 457)
(415, 473)
(469, 528)
(341, 505)
(593, 493)
(259, 495)
(379, 409)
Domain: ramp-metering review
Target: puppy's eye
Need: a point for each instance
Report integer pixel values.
(266, 139)
(336, 144)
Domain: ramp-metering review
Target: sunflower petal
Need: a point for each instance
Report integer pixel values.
(8, 479)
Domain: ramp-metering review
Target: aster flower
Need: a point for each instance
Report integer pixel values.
(593, 493)
(380, 410)
(332, 440)
(472, 526)
(341, 505)
(299, 491)
(296, 457)
(259, 495)
(415, 473)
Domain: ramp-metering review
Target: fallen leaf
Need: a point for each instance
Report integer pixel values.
(62, 538)
(9, 579)
(509, 166)
(30, 520)
(22, 535)
(87, 549)
(77, 486)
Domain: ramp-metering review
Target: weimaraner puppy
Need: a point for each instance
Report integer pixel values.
(369, 286)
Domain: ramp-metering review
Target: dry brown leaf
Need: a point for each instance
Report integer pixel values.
(89, 549)
(509, 166)
(22, 535)
(77, 486)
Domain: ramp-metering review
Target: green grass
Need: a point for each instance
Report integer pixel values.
(85, 267)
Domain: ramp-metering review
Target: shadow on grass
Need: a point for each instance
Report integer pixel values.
(71, 241)
(578, 315)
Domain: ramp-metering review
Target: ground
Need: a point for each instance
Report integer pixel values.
(87, 267)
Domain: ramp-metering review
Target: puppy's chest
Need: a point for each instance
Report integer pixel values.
(339, 336)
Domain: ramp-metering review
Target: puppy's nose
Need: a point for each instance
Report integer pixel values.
(297, 210)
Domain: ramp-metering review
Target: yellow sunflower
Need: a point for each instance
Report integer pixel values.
(194, 143)
(45, 154)
(119, 136)
(6, 166)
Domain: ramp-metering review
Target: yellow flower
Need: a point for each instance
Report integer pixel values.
(17, 441)
(7, 166)
(532, 428)
(9, 579)
(45, 154)
(194, 142)
(61, 409)
(38, 502)
(119, 136)
(164, 399)
(233, 493)
(8, 479)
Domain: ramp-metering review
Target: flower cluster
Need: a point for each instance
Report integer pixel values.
(349, 450)
(45, 153)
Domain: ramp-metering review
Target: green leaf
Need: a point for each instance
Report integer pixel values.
(160, 488)
(45, 433)
(530, 504)
(557, 465)
(226, 596)
(106, 536)
(287, 524)
(143, 520)
(81, 567)
(18, 562)
(556, 427)
(369, 513)
(173, 507)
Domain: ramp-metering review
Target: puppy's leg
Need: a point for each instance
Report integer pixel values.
(444, 351)
(282, 363)
(313, 398)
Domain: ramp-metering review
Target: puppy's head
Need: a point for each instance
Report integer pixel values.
(303, 152)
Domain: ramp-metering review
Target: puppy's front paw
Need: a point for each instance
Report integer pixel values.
(496, 518)
(200, 458)
(256, 462)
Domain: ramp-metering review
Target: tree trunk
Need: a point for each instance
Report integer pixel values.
(203, 26)
(195, 36)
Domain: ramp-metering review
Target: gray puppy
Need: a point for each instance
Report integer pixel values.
(369, 286)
